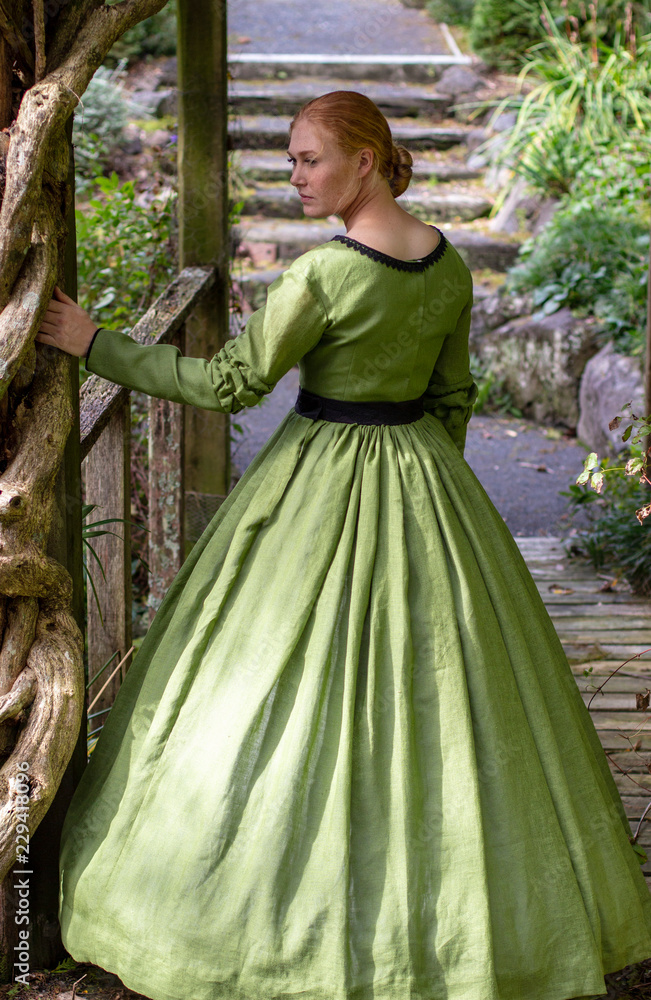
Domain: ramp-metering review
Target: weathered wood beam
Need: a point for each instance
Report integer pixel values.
(107, 483)
(166, 493)
(203, 237)
(100, 399)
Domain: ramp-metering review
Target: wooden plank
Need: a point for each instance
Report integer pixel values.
(610, 623)
(611, 701)
(585, 649)
(107, 483)
(613, 739)
(615, 685)
(626, 615)
(626, 721)
(637, 668)
(100, 399)
(166, 494)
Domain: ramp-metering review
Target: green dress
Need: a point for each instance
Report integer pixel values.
(350, 760)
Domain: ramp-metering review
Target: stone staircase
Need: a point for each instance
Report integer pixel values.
(448, 188)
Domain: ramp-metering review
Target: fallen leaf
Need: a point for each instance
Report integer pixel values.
(642, 700)
(555, 588)
(243, 39)
(511, 434)
(532, 465)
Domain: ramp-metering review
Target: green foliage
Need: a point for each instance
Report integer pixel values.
(614, 536)
(100, 122)
(451, 11)
(617, 502)
(502, 31)
(592, 256)
(492, 396)
(586, 100)
(156, 36)
(126, 252)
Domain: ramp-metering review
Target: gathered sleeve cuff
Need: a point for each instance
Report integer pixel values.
(453, 406)
(248, 367)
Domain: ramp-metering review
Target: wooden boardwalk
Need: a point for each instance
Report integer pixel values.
(601, 626)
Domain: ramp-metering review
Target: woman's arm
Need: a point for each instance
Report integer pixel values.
(452, 391)
(244, 370)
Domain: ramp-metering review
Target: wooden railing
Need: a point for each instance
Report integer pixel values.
(105, 428)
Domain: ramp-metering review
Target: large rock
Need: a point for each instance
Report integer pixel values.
(457, 81)
(540, 361)
(610, 380)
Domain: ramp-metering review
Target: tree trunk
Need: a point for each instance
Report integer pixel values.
(41, 645)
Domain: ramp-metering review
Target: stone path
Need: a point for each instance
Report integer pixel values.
(350, 27)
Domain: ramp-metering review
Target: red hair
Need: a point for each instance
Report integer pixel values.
(357, 123)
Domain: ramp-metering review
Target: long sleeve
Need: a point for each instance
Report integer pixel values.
(275, 337)
(452, 390)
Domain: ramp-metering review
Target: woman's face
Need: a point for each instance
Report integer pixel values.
(326, 180)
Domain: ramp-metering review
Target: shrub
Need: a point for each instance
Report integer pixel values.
(585, 101)
(156, 36)
(451, 11)
(615, 537)
(100, 121)
(502, 31)
(592, 256)
(126, 253)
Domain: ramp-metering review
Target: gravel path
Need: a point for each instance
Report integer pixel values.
(521, 466)
(351, 27)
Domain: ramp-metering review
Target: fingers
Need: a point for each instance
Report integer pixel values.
(50, 328)
(62, 297)
(45, 338)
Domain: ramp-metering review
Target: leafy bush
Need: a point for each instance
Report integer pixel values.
(502, 31)
(125, 252)
(587, 99)
(100, 121)
(592, 256)
(451, 11)
(156, 36)
(614, 536)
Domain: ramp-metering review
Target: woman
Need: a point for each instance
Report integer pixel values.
(350, 759)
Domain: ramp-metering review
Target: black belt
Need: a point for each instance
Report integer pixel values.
(342, 411)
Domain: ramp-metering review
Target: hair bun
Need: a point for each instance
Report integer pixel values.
(401, 163)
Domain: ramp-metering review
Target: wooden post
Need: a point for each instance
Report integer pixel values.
(107, 482)
(203, 238)
(166, 499)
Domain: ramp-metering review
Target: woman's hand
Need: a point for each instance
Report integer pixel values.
(66, 325)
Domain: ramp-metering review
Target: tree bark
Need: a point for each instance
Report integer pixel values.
(41, 646)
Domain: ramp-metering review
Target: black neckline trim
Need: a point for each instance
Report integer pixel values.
(395, 262)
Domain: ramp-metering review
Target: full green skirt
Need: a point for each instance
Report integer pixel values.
(350, 759)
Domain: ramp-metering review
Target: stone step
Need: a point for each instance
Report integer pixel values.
(282, 202)
(285, 97)
(415, 68)
(272, 165)
(263, 132)
(288, 239)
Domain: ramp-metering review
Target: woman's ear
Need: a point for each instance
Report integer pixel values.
(365, 165)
